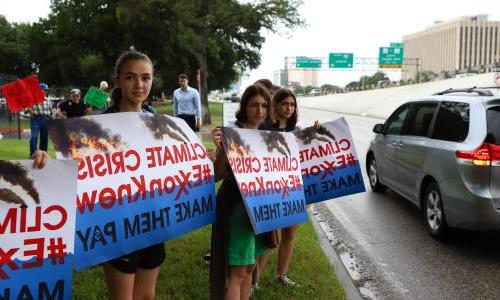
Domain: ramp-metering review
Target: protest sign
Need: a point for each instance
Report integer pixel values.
(267, 169)
(142, 179)
(96, 97)
(37, 229)
(330, 165)
(22, 93)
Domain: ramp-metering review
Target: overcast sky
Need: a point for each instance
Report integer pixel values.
(356, 26)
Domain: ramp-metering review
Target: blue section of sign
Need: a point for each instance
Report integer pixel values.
(329, 184)
(269, 211)
(104, 234)
(49, 281)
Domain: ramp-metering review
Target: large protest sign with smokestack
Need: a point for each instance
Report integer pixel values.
(142, 179)
(330, 165)
(37, 229)
(267, 169)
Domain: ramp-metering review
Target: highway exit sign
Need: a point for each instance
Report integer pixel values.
(399, 45)
(307, 62)
(340, 60)
(390, 57)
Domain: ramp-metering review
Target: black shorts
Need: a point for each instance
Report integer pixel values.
(147, 258)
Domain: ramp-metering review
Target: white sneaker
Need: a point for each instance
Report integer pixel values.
(283, 279)
(254, 288)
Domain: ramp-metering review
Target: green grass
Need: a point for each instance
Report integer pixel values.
(6, 124)
(19, 149)
(214, 107)
(184, 275)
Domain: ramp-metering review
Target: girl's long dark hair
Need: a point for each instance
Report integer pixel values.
(251, 91)
(116, 92)
(279, 96)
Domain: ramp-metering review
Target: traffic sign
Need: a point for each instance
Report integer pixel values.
(390, 57)
(340, 60)
(307, 62)
(398, 45)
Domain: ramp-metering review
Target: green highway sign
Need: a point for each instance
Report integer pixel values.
(307, 62)
(340, 60)
(398, 45)
(390, 57)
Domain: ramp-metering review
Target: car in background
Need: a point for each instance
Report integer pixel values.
(232, 98)
(315, 92)
(442, 153)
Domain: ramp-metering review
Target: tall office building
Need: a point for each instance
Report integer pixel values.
(303, 77)
(296, 77)
(279, 77)
(455, 45)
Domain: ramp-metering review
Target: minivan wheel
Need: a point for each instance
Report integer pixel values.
(371, 169)
(433, 212)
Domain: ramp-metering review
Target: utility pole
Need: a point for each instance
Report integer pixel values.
(418, 74)
(363, 73)
(285, 73)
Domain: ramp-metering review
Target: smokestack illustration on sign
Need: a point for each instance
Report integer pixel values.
(275, 141)
(233, 141)
(15, 184)
(77, 137)
(161, 125)
(309, 134)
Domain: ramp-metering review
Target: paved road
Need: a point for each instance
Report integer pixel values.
(383, 242)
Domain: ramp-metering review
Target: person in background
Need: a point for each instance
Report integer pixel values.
(103, 86)
(74, 107)
(187, 105)
(268, 85)
(39, 114)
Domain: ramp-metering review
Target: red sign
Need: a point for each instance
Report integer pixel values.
(22, 93)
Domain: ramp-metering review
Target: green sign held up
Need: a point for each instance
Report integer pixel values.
(96, 98)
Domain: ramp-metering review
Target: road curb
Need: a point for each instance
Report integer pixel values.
(344, 113)
(352, 292)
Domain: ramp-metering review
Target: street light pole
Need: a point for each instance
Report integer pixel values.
(363, 73)
(418, 75)
(285, 73)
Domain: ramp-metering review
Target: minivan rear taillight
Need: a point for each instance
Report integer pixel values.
(485, 155)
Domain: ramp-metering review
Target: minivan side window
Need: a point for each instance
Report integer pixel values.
(419, 119)
(452, 122)
(493, 123)
(395, 122)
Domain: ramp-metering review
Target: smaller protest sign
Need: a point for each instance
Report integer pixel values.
(22, 93)
(37, 229)
(330, 165)
(267, 169)
(96, 98)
